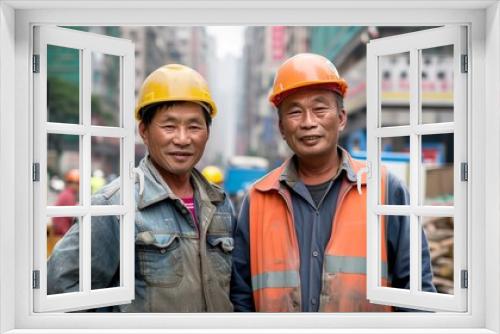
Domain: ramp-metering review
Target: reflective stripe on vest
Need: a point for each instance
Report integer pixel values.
(349, 265)
(275, 279)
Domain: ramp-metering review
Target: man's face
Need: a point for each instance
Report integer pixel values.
(310, 122)
(176, 138)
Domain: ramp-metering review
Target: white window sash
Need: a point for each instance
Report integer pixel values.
(86, 43)
(412, 43)
(483, 315)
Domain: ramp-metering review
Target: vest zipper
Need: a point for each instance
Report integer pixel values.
(342, 195)
(340, 199)
(294, 241)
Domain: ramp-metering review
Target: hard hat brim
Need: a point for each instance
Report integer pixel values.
(338, 86)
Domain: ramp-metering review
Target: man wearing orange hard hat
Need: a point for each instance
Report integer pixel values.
(183, 223)
(300, 240)
(67, 197)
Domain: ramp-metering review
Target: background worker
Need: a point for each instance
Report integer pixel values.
(213, 174)
(300, 240)
(97, 181)
(183, 224)
(67, 197)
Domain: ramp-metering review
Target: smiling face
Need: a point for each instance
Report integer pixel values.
(310, 122)
(176, 138)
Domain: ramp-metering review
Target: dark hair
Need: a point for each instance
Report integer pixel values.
(338, 98)
(148, 113)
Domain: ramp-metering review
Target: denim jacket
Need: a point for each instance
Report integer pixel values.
(179, 267)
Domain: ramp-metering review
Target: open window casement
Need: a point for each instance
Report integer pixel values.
(412, 128)
(85, 129)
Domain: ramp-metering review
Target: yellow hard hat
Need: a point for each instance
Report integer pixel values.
(174, 82)
(305, 70)
(213, 174)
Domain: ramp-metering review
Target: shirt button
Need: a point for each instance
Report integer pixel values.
(163, 250)
(315, 253)
(313, 301)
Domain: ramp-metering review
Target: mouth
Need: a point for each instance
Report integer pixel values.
(180, 155)
(312, 139)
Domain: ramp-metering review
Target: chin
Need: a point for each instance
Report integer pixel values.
(308, 154)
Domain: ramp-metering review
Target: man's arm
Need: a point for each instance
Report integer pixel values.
(63, 266)
(398, 238)
(241, 280)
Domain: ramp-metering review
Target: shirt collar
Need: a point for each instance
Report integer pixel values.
(290, 174)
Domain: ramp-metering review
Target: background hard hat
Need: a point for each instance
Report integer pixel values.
(73, 175)
(174, 82)
(213, 174)
(303, 70)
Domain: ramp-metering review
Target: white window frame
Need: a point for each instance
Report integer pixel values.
(16, 20)
(413, 43)
(85, 44)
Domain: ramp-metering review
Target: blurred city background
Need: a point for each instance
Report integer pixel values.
(239, 64)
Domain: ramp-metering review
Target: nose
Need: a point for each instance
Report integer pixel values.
(182, 137)
(308, 119)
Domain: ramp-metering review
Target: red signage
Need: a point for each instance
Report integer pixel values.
(278, 46)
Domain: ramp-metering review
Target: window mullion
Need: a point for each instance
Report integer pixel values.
(86, 91)
(414, 170)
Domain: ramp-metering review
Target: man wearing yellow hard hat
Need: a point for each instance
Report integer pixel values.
(213, 174)
(300, 241)
(183, 223)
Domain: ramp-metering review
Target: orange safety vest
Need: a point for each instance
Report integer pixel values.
(274, 250)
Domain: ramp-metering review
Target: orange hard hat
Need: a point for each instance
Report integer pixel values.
(73, 175)
(304, 70)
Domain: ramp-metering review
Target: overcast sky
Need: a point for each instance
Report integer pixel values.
(229, 39)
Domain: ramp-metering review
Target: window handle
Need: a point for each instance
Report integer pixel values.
(140, 174)
(360, 173)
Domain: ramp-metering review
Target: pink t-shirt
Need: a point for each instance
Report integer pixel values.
(189, 203)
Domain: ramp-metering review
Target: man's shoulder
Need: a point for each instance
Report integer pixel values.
(109, 194)
(269, 180)
(394, 181)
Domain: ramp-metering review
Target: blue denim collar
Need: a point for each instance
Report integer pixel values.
(156, 189)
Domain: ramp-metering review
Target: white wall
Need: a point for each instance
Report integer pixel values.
(492, 151)
(7, 178)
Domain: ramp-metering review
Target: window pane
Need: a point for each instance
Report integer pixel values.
(437, 169)
(395, 263)
(105, 162)
(63, 169)
(66, 274)
(105, 90)
(105, 251)
(436, 85)
(63, 84)
(395, 158)
(394, 89)
(439, 231)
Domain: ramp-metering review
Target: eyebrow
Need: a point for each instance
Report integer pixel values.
(176, 119)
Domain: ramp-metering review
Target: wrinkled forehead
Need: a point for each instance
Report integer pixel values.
(181, 111)
(309, 95)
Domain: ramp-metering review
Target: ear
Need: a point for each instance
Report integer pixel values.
(280, 125)
(342, 120)
(143, 131)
